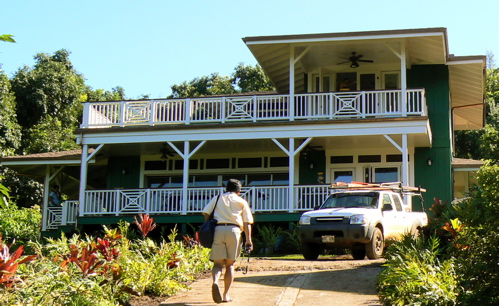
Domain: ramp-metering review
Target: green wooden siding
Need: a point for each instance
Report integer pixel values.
(437, 178)
(318, 159)
(123, 172)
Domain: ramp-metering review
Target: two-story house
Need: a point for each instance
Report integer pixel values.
(378, 106)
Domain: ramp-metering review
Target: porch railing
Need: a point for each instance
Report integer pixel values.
(126, 202)
(332, 105)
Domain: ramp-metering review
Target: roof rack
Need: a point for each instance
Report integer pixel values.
(394, 186)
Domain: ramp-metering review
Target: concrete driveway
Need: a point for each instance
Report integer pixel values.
(340, 281)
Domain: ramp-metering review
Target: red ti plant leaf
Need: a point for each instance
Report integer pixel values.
(10, 262)
(145, 225)
(88, 262)
(106, 249)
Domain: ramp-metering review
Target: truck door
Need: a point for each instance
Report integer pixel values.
(404, 223)
(391, 220)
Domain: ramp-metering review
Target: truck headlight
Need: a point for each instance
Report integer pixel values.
(359, 219)
(304, 220)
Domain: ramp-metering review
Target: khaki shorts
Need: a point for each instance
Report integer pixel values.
(227, 243)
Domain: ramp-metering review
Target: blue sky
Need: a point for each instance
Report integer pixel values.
(146, 46)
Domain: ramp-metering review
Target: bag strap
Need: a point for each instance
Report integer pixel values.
(213, 211)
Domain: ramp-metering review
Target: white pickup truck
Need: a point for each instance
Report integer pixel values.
(360, 218)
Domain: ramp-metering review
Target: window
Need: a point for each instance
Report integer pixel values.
(341, 159)
(155, 165)
(396, 200)
(249, 162)
(342, 176)
(386, 174)
(218, 163)
(369, 158)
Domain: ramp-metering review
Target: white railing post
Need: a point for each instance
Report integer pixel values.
(122, 113)
(86, 116)
(254, 110)
(363, 104)
(187, 107)
(152, 114)
(222, 110)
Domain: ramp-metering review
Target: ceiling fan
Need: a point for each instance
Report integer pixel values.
(354, 60)
(165, 151)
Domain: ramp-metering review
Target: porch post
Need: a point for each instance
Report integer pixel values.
(185, 178)
(291, 156)
(46, 191)
(405, 157)
(403, 77)
(291, 83)
(83, 178)
(405, 161)
(186, 155)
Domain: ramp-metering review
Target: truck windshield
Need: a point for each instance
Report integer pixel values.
(365, 200)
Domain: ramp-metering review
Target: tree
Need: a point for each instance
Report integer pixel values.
(243, 79)
(251, 79)
(49, 95)
(10, 131)
(116, 94)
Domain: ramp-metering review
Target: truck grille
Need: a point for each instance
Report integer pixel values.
(329, 219)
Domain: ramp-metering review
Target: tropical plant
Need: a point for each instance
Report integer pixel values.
(9, 263)
(415, 274)
(146, 224)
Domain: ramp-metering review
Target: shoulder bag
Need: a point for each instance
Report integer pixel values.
(207, 230)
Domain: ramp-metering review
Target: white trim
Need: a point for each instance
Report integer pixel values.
(464, 62)
(349, 38)
(295, 131)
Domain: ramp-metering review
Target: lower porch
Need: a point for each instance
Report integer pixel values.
(167, 205)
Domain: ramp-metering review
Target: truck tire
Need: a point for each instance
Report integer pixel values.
(310, 251)
(374, 248)
(359, 253)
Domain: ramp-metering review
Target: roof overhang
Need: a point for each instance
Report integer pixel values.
(467, 88)
(426, 46)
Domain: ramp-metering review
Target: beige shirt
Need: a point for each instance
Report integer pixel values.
(231, 208)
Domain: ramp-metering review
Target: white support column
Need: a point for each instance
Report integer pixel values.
(291, 152)
(405, 157)
(46, 191)
(405, 161)
(291, 83)
(291, 196)
(185, 178)
(403, 77)
(186, 155)
(83, 177)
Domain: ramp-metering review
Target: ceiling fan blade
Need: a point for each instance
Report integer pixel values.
(343, 62)
(365, 61)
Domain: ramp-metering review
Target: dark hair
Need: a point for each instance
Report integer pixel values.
(234, 185)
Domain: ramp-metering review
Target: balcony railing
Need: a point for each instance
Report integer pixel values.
(332, 105)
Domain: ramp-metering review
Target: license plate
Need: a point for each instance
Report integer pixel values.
(327, 239)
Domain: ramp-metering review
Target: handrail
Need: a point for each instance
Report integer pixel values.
(308, 106)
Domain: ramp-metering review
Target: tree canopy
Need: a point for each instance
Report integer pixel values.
(243, 79)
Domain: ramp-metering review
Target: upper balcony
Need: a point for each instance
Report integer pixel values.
(257, 108)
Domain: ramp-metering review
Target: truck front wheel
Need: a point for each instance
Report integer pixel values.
(310, 251)
(374, 248)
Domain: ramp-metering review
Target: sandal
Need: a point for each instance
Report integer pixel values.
(215, 293)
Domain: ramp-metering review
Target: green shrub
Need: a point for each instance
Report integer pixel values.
(104, 271)
(415, 275)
